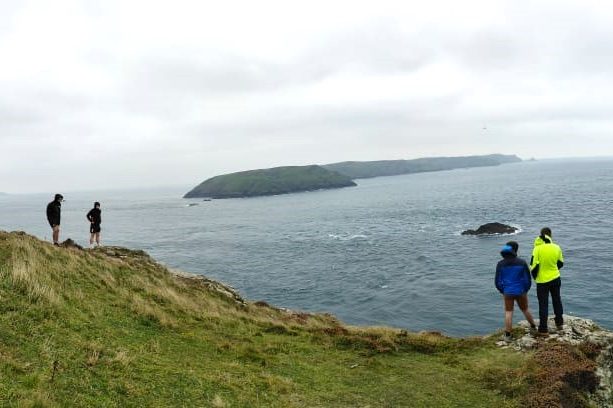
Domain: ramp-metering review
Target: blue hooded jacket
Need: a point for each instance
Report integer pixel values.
(512, 274)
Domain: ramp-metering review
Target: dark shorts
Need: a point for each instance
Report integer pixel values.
(509, 302)
(94, 228)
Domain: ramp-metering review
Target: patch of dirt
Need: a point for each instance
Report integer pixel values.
(334, 331)
(562, 377)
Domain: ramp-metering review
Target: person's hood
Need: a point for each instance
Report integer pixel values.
(539, 241)
(508, 252)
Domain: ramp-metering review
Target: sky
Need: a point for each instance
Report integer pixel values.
(124, 94)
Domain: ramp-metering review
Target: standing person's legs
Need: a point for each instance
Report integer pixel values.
(556, 300)
(98, 238)
(522, 302)
(56, 234)
(542, 293)
(508, 313)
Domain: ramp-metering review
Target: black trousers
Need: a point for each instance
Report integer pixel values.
(542, 293)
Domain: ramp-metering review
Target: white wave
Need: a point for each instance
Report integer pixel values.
(348, 237)
(358, 236)
(518, 227)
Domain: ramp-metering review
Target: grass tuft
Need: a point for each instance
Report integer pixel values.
(218, 402)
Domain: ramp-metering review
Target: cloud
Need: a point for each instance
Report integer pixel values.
(152, 93)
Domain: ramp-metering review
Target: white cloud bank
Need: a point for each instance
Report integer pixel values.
(134, 93)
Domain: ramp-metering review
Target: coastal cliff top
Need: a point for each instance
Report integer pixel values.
(111, 326)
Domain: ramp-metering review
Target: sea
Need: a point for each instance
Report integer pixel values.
(388, 252)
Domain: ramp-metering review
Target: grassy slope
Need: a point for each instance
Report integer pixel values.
(278, 180)
(126, 332)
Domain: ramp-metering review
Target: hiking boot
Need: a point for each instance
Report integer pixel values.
(507, 337)
(560, 327)
(542, 333)
(533, 329)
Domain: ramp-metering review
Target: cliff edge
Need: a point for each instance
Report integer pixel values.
(112, 327)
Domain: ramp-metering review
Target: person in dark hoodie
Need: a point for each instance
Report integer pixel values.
(94, 216)
(54, 215)
(513, 282)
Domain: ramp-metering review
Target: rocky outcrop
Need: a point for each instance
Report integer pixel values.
(69, 243)
(218, 287)
(595, 342)
(492, 228)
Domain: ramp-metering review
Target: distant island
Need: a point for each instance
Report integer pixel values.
(369, 169)
(292, 179)
(264, 182)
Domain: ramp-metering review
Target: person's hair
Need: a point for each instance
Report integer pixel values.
(59, 197)
(513, 245)
(546, 232)
(96, 204)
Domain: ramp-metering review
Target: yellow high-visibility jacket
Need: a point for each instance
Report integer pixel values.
(546, 256)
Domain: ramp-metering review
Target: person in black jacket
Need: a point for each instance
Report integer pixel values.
(94, 216)
(54, 215)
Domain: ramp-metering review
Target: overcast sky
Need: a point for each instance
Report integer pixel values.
(101, 94)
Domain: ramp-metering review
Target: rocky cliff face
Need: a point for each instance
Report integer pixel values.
(593, 342)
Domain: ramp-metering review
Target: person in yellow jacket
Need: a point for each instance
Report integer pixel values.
(547, 260)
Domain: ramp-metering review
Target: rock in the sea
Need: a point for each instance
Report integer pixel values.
(491, 229)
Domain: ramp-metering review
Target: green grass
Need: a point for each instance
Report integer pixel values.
(81, 328)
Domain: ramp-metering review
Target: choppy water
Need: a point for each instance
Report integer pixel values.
(387, 252)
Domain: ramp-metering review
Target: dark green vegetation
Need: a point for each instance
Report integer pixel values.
(291, 179)
(357, 170)
(278, 180)
(112, 328)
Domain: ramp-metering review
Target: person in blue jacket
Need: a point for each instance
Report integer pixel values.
(513, 281)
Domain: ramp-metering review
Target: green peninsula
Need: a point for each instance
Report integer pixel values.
(292, 179)
(264, 182)
(369, 169)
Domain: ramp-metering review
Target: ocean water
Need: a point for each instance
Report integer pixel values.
(388, 252)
